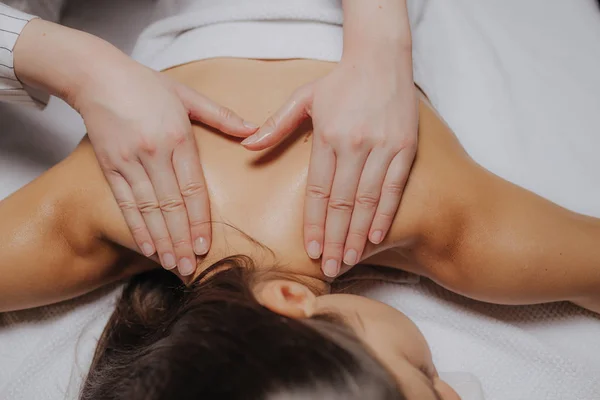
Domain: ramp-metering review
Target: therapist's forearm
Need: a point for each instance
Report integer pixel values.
(62, 61)
(374, 28)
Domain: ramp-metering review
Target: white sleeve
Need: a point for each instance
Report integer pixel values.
(12, 90)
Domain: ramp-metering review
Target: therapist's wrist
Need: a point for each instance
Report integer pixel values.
(383, 54)
(385, 69)
(60, 60)
(375, 27)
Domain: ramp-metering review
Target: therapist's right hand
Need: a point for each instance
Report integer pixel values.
(139, 124)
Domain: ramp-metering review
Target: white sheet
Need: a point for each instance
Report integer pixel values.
(517, 80)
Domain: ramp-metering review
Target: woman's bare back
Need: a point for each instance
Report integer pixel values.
(457, 223)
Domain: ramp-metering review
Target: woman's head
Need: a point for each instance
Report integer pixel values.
(236, 334)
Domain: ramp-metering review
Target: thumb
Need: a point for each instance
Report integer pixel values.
(202, 109)
(283, 122)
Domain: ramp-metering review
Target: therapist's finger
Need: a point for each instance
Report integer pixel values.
(339, 210)
(285, 121)
(133, 218)
(367, 200)
(391, 194)
(202, 109)
(192, 186)
(318, 188)
(171, 204)
(148, 207)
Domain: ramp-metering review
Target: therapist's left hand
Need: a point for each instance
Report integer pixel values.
(365, 120)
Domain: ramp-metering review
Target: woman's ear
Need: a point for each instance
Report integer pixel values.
(287, 298)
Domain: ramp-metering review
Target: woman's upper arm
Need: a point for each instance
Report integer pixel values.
(431, 217)
(486, 238)
(52, 240)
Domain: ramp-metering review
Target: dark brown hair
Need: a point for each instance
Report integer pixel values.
(213, 340)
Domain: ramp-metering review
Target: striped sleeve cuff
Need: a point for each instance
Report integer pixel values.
(12, 90)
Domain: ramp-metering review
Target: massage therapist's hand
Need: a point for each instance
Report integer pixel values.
(364, 115)
(139, 124)
(365, 120)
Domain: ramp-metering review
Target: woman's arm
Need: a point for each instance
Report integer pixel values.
(488, 239)
(53, 236)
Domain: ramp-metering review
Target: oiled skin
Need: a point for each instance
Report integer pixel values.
(63, 235)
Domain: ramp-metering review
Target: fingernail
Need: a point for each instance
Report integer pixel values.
(147, 249)
(376, 237)
(200, 246)
(314, 250)
(351, 257)
(169, 261)
(186, 267)
(250, 140)
(260, 135)
(331, 268)
(251, 125)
